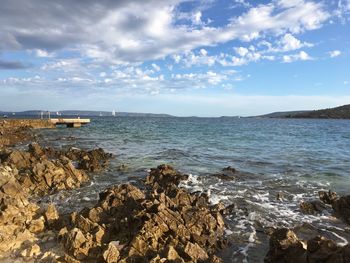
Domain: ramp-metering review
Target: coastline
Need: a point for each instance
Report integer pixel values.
(84, 236)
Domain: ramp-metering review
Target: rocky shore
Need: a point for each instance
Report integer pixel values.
(156, 221)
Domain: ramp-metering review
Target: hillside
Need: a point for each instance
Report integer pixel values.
(342, 112)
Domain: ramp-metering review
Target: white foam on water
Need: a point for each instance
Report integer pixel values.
(256, 203)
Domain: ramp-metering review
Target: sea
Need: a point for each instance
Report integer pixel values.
(293, 158)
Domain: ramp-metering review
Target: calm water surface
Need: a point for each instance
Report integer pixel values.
(296, 157)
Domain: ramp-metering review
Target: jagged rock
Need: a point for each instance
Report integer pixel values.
(92, 160)
(195, 252)
(285, 247)
(164, 177)
(164, 223)
(51, 215)
(171, 254)
(36, 150)
(41, 175)
(215, 259)
(341, 208)
(32, 251)
(17, 223)
(111, 255)
(327, 197)
(37, 225)
(312, 207)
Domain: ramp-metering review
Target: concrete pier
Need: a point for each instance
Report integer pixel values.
(70, 123)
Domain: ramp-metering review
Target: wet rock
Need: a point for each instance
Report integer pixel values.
(280, 196)
(36, 150)
(122, 168)
(328, 197)
(164, 177)
(285, 247)
(312, 207)
(92, 160)
(13, 132)
(341, 208)
(163, 223)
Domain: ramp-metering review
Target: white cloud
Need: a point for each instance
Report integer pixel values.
(289, 3)
(242, 51)
(196, 18)
(334, 53)
(135, 31)
(288, 42)
(43, 53)
(243, 3)
(156, 67)
(302, 55)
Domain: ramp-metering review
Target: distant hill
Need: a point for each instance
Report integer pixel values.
(342, 112)
(55, 114)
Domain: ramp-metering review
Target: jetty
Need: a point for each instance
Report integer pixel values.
(70, 123)
(44, 123)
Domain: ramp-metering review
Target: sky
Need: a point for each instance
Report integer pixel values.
(181, 57)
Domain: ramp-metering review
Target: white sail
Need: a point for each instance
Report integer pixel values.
(113, 113)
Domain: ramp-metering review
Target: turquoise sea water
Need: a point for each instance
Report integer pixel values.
(294, 156)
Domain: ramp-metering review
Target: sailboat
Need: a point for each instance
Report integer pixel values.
(113, 113)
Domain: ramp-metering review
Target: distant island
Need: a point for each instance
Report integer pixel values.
(79, 113)
(342, 112)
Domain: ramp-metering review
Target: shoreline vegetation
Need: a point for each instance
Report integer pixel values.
(155, 222)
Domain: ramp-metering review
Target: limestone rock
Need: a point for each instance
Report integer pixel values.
(195, 252)
(161, 223)
(51, 215)
(32, 251)
(111, 254)
(286, 247)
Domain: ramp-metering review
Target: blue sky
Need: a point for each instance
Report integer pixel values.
(205, 57)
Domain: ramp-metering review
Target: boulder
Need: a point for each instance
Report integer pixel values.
(111, 254)
(35, 150)
(328, 197)
(312, 207)
(285, 246)
(51, 216)
(195, 252)
(341, 208)
(32, 251)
